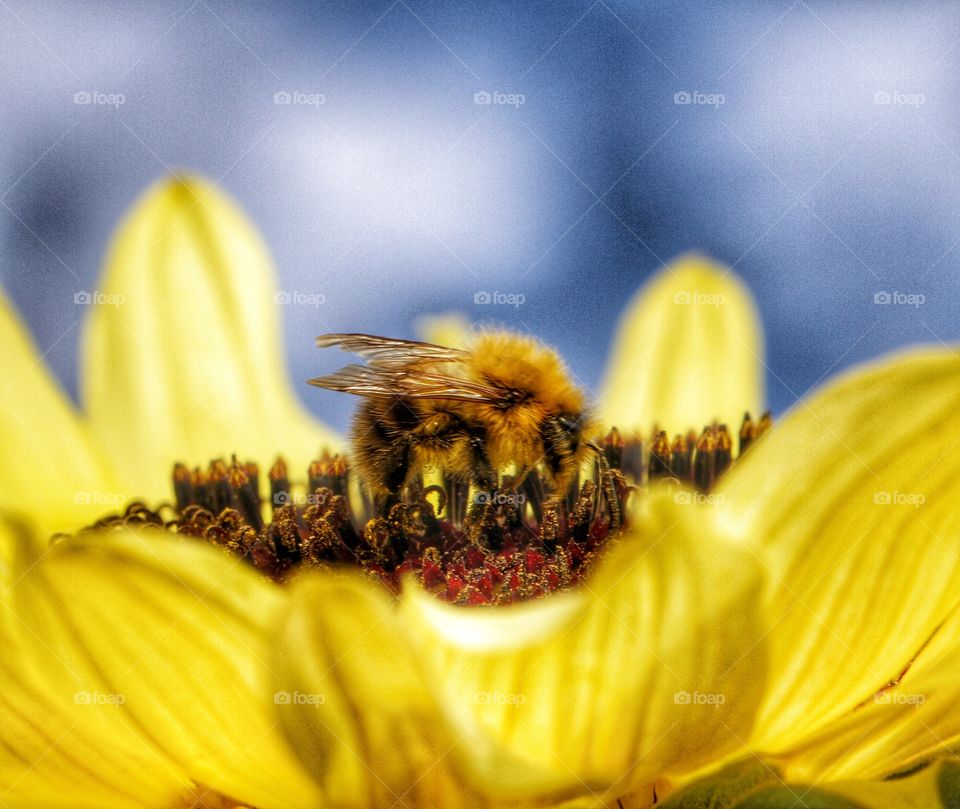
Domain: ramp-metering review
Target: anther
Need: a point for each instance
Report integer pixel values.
(182, 486)
(682, 451)
(704, 460)
(748, 433)
(660, 456)
(613, 445)
(724, 451)
(632, 465)
(279, 483)
(766, 422)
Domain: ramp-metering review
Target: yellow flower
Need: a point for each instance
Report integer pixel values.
(181, 361)
(688, 351)
(789, 640)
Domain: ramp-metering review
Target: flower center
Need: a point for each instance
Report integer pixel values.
(526, 543)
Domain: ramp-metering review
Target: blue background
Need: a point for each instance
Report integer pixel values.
(399, 195)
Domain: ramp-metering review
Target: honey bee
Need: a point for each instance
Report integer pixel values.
(506, 399)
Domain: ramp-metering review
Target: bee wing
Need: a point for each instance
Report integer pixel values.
(410, 381)
(390, 352)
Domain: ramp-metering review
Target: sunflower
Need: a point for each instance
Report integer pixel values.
(788, 638)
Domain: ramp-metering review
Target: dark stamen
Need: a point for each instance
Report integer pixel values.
(748, 433)
(661, 455)
(532, 542)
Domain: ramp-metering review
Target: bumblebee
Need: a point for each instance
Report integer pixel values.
(470, 412)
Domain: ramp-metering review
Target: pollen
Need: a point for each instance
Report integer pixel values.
(531, 543)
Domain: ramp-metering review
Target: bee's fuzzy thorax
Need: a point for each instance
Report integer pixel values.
(513, 361)
(519, 361)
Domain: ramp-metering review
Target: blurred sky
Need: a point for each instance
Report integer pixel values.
(820, 156)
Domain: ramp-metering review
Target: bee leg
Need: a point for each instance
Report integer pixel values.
(535, 494)
(394, 468)
(556, 456)
(609, 489)
(608, 485)
(480, 516)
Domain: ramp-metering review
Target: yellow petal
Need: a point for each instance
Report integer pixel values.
(654, 669)
(353, 701)
(49, 468)
(52, 750)
(183, 358)
(21, 547)
(169, 635)
(451, 329)
(55, 752)
(913, 722)
(851, 503)
(688, 351)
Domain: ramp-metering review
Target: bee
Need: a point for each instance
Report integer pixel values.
(506, 399)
